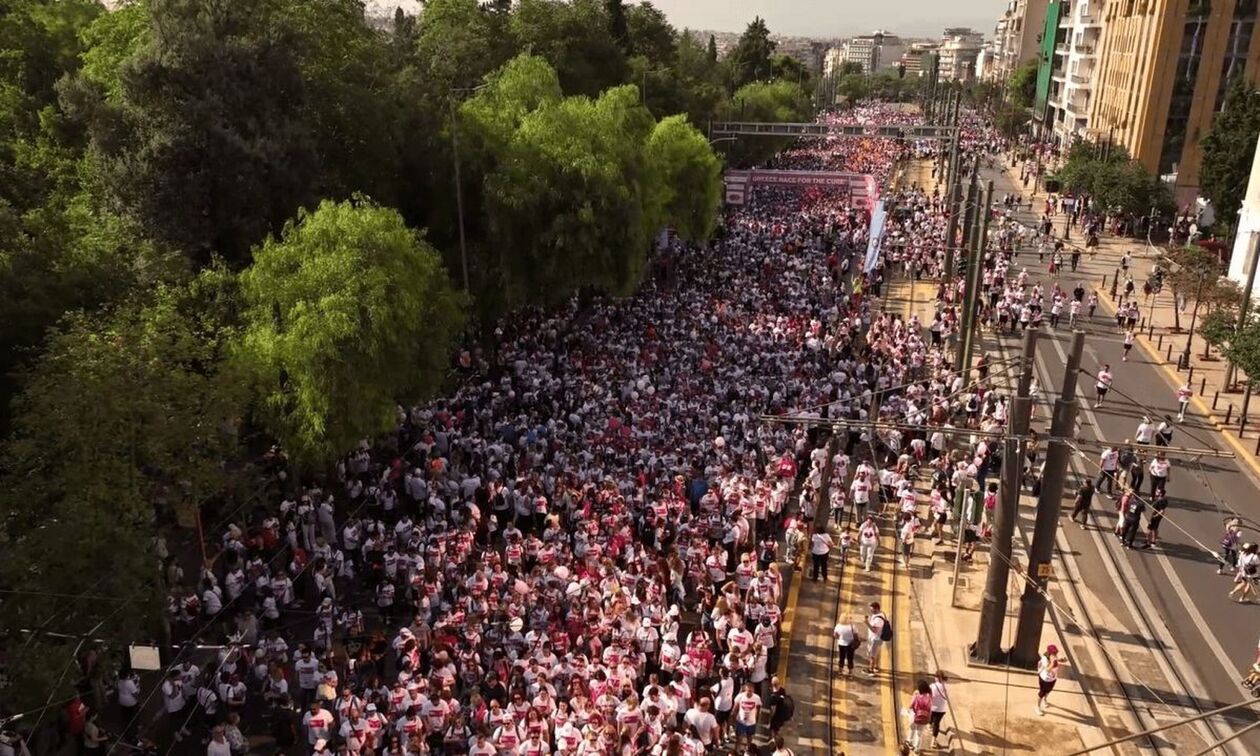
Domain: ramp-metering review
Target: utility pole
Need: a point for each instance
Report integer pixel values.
(1253, 255)
(988, 645)
(950, 244)
(971, 295)
(1032, 605)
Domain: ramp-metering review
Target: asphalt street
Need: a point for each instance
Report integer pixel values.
(1180, 603)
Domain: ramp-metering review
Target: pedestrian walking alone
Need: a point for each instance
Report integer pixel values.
(820, 544)
(1047, 675)
(1084, 499)
(1248, 572)
(1183, 399)
(940, 705)
(920, 714)
(868, 540)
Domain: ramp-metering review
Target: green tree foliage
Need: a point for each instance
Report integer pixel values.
(125, 415)
(711, 51)
(761, 101)
(750, 59)
(619, 26)
(349, 103)
(1227, 148)
(1244, 351)
(574, 188)
(573, 37)
(207, 148)
(849, 67)
(1108, 175)
(688, 177)
(1012, 120)
(790, 69)
(348, 313)
(1021, 88)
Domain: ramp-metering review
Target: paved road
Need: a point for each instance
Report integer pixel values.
(1210, 637)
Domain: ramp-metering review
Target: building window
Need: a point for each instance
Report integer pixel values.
(1184, 81)
(1241, 29)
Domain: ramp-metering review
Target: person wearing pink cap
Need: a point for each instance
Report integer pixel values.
(1047, 675)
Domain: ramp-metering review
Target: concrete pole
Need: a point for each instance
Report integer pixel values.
(1032, 605)
(966, 211)
(975, 274)
(988, 645)
(1252, 257)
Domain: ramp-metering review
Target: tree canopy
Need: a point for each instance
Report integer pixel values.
(1227, 149)
(346, 314)
(1113, 179)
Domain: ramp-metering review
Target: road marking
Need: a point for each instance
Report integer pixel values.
(1194, 684)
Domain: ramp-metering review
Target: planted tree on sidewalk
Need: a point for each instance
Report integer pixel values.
(1194, 273)
(1244, 351)
(1217, 329)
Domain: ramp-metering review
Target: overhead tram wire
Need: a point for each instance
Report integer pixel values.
(187, 644)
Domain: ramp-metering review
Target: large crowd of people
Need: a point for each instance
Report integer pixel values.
(579, 551)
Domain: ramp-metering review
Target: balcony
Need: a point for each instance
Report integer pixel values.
(1078, 79)
(1062, 48)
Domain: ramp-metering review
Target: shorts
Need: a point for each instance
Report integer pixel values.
(745, 730)
(1102, 390)
(941, 517)
(722, 716)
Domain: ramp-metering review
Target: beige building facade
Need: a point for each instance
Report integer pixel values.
(1163, 67)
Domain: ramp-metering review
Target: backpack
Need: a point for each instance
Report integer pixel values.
(787, 707)
(886, 632)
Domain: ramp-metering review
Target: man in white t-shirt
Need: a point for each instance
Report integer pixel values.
(701, 718)
(747, 709)
(317, 722)
(820, 544)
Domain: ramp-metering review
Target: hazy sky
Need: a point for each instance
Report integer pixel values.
(835, 18)
(818, 18)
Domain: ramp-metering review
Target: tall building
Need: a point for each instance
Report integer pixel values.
(1074, 60)
(1016, 37)
(1163, 68)
(958, 56)
(875, 52)
(915, 59)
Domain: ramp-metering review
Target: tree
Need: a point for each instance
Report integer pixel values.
(651, 35)
(618, 26)
(688, 178)
(1217, 329)
(207, 149)
(573, 37)
(790, 69)
(1228, 144)
(750, 60)
(1021, 87)
(1012, 120)
(761, 101)
(849, 67)
(712, 50)
(350, 103)
(125, 415)
(347, 314)
(1116, 182)
(1244, 351)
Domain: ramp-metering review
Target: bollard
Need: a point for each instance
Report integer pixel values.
(1242, 426)
(1229, 413)
(1190, 375)
(1257, 445)
(1151, 334)
(1161, 341)
(1168, 356)
(1215, 395)
(1202, 385)
(1104, 283)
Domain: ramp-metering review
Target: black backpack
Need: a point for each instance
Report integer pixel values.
(886, 632)
(787, 707)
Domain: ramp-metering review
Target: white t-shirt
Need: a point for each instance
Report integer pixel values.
(820, 543)
(747, 706)
(704, 722)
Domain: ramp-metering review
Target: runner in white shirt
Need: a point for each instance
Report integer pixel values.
(1183, 399)
(747, 709)
(1103, 384)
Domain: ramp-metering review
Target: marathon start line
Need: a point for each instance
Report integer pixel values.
(860, 189)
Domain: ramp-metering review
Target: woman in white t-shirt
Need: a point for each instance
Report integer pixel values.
(940, 705)
(1047, 676)
(868, 539)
